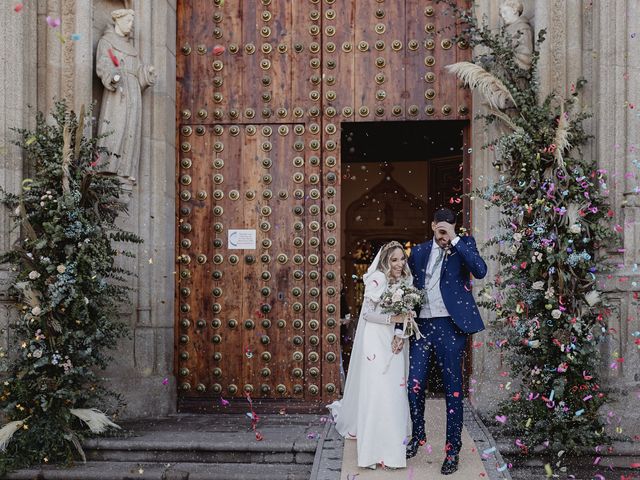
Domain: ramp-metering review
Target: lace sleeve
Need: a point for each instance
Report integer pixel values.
(370, 313)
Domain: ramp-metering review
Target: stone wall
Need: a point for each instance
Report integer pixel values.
(590, 39)
(38, 68)
(594, 40)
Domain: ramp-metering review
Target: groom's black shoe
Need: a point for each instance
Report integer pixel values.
(413, 446)
(450, 465)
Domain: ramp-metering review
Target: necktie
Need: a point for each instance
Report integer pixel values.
(435, 266)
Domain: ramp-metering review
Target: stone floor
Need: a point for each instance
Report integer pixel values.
(478, 459)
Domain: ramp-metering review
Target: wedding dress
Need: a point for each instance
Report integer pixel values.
(374, 408)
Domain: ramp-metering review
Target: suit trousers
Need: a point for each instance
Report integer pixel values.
(443, 338)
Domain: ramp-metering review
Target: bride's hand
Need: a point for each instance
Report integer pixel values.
(399, 318)
(396, 344)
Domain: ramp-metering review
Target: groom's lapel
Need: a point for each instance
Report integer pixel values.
(425, 263)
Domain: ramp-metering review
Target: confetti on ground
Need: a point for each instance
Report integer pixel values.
(165, 381)
(18, 7)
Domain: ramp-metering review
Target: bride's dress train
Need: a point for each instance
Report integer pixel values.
(374, 408)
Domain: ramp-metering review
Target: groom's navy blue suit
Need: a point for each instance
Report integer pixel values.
(445, 336)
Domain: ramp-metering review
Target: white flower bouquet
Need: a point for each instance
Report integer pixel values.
(402, 299)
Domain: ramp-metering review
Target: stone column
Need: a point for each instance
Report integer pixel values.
(64, 65)
(18, 57)
(146, 360)
(486, 361)
(616, 67)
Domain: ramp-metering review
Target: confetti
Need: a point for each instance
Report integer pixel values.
(501, 418)
(113, 58)
(75, 37)
(218, 50)
(53, 22)
(165, 381)
(18, 7)
(224, 402)
(26, 184)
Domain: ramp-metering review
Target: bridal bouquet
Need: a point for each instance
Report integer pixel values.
(401, 299)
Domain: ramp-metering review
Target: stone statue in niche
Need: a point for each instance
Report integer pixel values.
(124, 78)
(520, 30)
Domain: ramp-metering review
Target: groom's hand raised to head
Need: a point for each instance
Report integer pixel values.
(448, 229)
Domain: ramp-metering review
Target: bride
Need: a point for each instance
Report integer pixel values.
(374, 408)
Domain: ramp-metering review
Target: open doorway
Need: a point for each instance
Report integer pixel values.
(394, 176)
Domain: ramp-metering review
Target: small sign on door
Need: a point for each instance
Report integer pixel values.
(242, 239)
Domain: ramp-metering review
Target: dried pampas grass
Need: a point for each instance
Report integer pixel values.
(97, 421)
(6, 432)
(489, 86)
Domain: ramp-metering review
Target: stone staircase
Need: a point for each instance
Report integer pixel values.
(199, 447)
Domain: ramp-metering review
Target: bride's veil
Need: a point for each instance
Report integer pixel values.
(345, 411)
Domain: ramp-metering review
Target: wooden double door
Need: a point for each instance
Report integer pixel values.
(263, 89)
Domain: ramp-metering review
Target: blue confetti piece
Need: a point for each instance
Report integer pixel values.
(579, 412)
(489, 450)
(75, 36)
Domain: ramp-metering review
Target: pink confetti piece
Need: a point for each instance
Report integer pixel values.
(218, 50)
(165, 381)
(501, 418)
(53, 22)
(113, 58)
(224, 402)
(18, 7)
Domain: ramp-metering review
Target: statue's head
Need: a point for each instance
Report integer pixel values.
(123, 19)
(510, 10)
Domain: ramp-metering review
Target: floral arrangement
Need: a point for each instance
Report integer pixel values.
(67, 289)
(401, 299)
(555, 217)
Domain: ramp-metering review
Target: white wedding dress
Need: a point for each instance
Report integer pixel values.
(375, 408)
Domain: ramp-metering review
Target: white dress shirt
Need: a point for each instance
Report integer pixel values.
(434, 304)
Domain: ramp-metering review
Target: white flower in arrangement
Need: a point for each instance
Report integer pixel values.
(37, 353)
(592, 297)
(555, 313)
(550, 293)
(539, 285)
(86, 301)
(513, 249)
(517, 237)
(33, 275)
(397, 295)
(35, 311)
(61, 268)
(575, 228)
(536, 257)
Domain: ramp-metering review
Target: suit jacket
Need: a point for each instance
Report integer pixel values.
(455, 285)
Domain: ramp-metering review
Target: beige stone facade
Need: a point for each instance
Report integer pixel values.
(595, 40)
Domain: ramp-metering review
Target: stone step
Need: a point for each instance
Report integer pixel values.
(173, 471)
(277, 446)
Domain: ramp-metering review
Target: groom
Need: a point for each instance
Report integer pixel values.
(448, 316)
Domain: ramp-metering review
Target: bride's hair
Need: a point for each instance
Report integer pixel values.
(385, 259)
